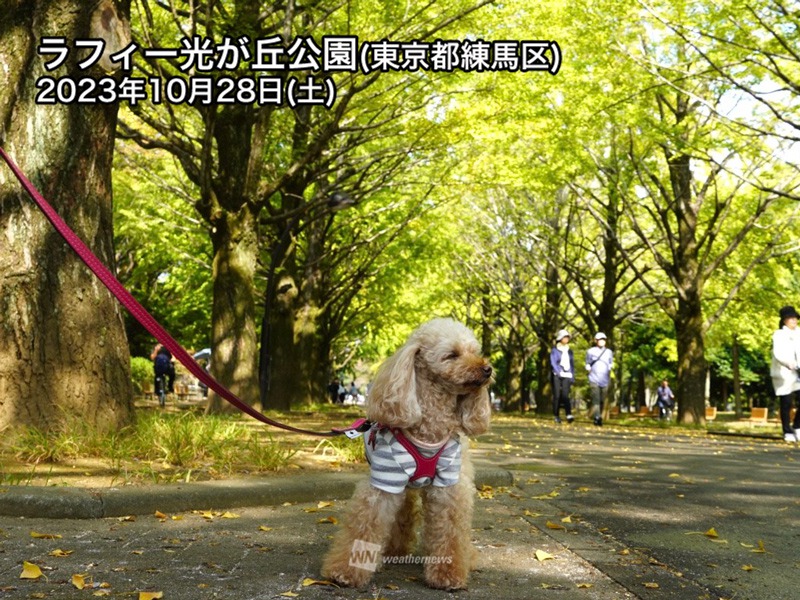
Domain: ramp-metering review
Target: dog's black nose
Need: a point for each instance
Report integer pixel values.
(487, 370)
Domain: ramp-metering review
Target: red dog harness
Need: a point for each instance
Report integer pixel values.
(426, 466)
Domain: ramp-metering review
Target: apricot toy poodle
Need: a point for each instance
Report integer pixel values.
(424, 401)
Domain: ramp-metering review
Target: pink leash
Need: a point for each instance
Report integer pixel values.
(147, 320)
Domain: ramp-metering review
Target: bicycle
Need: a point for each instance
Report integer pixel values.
(161, 390)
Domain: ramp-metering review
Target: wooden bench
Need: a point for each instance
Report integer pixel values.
(711, 413)
(758, 415)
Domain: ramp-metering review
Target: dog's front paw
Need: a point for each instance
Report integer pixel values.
(446, 576)
(348, 576)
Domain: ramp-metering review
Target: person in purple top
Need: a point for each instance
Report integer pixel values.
(665, 399)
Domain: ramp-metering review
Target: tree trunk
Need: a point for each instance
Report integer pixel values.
(514, 391)
(691, 375)
(737, 379)
(296, 365)
(63, 353)
(234, 350)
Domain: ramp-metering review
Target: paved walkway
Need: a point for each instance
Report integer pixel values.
(623, 514)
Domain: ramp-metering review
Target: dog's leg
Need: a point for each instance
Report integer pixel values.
(403, 537)
(447, 535)
(357, 547)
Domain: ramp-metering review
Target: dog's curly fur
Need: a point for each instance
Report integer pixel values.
(435, 387)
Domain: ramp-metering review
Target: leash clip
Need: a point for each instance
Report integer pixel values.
(356, 429)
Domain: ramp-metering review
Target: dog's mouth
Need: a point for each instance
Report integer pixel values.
(481, 379)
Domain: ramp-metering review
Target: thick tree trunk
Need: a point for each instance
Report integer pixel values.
(691, 375)
(688, 319)
(234, 357)
(514, 391)
(297, 376)
(547, 332)
(63, 353)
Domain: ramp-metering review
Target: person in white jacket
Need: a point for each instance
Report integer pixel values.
(784, 370)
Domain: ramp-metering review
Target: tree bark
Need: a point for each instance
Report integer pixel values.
(234, 349)
(737, 379)
(63, 353)
(691, 375)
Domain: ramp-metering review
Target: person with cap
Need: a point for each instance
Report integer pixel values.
(599, 362)
(562, 362)
(785, 363)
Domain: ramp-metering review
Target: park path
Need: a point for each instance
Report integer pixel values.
(595, 513)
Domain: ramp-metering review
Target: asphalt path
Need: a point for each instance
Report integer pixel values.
(595, 513)
(718, 517)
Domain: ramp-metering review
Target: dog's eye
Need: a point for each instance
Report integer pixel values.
(451, 356)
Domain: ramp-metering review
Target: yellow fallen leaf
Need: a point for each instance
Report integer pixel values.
(712, 533)
(308, 581)
(230, 515)
(584, 586)
(650, 585)
(177, 517)
(567, 519)
(127, 518)
(542, 556)
(624, 552)
(553, 494)
(391, 586)
(60, 553)
(30, 571)
(264, 528)
(150, 595)
(583, 490)
(673, 475)
(102, 593)
(748, 568)
(760, 549)
(159, 515)
(324, 504)
(79, 580)
(289, 594)
(45, 536)
(311, 509)
(331, 519)
(532, 514)
(551, 525)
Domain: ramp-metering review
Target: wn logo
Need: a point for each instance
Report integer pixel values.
(365, 555)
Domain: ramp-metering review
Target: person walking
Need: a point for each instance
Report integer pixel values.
(785, 362)
(562, 362)
(665, 399)
(599, 362)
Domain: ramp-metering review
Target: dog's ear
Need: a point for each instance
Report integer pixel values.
(475, 411)
(393, 396)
